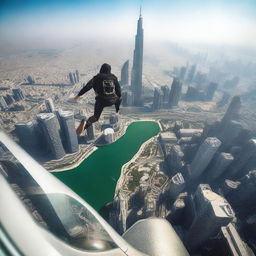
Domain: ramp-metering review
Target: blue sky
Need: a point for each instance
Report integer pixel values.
(219, 21)
(20, 7)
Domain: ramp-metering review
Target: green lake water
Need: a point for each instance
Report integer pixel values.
(95, 178)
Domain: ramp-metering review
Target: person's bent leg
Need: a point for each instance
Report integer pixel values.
(98, 108)
(90, 121)
(81, 126)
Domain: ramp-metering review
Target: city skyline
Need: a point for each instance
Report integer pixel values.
(182, 145)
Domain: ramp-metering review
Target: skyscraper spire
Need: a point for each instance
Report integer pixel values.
(136, 81)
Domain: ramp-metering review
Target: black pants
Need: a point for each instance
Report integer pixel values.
(100, 104)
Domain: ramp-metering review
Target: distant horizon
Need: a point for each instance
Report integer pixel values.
(196, 22)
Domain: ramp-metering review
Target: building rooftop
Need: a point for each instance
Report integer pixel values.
(66, 113)
(168, 137)
(189, 132)
(45, 116)
(219, 204)
(234, 241)
(108, 131)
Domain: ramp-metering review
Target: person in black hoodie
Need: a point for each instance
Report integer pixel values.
(108, 93)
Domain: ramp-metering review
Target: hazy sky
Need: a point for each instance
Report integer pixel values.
(219, 21)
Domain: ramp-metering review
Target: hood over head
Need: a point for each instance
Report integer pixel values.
(105, 68)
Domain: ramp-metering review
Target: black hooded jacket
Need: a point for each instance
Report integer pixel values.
(105, 84)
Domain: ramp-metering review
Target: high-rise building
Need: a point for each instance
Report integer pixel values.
(113, 118)
(74, 77)
(136, 83)
(175, 157)
(3, 103)
(90, 132)
(114, 121)
(30, 80)
(109, 135)
(127, 99)
(2, 152)
(245, 193)
(211, 88)
(232, 242)
(28, 136)
(182, 73)
(211, 212)
(49, 124)
(158, 100)
(191, 74)
(125, 73)
(71, 78)
(49, 105)
(175, 93)
(200, 79)
(18, 94)
(231, 83)
(77, 76)
(176, 186)
(248, 152)
(194, 94)
(9, 99)
(124, 99)
(68, 126)
(165, 89)
(218, 166)
(233, 110)
(204, 155)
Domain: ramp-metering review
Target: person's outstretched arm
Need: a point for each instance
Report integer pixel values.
(85, 89)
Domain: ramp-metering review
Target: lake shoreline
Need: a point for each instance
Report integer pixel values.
(95, 179)
(95, 148)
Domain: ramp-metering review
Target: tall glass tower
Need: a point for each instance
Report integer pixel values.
(136, 82)
(49, 124)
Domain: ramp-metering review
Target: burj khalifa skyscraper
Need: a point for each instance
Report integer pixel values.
(136, 77)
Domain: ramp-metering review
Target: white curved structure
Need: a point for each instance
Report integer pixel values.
(109, 135)
(42, 216)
